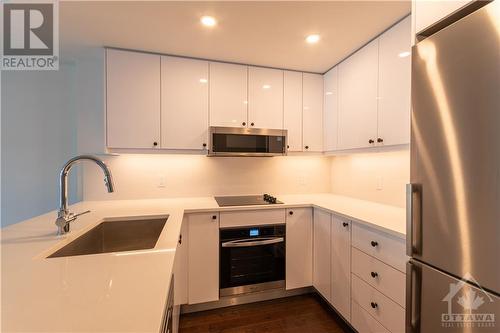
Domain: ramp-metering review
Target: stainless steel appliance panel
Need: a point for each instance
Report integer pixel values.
(438, 302)
(454, 220)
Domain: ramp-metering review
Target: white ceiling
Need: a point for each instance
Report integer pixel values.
(260, 33)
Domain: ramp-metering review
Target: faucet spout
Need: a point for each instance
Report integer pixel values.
(64, 217)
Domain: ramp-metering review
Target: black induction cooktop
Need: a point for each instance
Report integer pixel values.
(247, 200)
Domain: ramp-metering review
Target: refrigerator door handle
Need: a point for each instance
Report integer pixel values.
(413, 296)
(413, 219)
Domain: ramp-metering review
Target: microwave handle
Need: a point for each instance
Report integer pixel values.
(253, 242)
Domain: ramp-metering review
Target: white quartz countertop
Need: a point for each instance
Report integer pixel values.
(122, 291)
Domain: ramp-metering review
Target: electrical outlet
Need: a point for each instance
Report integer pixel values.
(161, 181)
(380, 183)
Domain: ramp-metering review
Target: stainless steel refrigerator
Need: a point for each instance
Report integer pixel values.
(453, 201)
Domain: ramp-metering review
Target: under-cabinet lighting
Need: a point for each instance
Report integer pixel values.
(404, 54)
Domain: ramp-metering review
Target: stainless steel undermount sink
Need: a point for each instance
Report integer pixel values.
(115, 236)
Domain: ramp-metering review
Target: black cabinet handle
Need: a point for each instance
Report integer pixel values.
(379, 140)
(204, 145)
(180, 239)
(374, 305)
(374, 243)
(307, 147)
(345, 224)
(290, 212)
(155, 143)
(371, 141)
(243, 123)
(252, 124)
(374, 274)
(287, 146)
(214, 217)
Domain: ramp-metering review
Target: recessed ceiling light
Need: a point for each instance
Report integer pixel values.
(312, 39)
(203, 80)
(404, 54)
(328, 93)
(208, 21)
(266, 86)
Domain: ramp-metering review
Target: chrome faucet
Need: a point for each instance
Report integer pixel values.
(64, 216)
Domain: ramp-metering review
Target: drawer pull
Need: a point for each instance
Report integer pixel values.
(374, 305)
(374, 243)
(345, 224)
(214, 217)
(374, 274)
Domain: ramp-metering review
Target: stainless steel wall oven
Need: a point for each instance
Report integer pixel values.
(252, 259)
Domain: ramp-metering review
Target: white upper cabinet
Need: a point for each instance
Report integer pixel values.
(292, 108)
(312, 106)
(358, 77)
(184, 103)
(429, 12)
(330, 109)
(265, 98)
(228, 95)
(394, 85)
(132, 99)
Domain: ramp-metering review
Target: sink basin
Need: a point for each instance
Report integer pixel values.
(115, 236)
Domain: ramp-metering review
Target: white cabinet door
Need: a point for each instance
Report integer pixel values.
(330, 109)
(299, 240)
(184, 103)
(292, 108)
(312, 100)
(132, 99)
(203, 254)
(358, 77)
(394, 85)
(265, 98)
(228, 95)
(180, 274)
(429, 12)
(321, 253)
(341, 266)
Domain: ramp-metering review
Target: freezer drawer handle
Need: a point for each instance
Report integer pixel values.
(413, 294)
(413, 219)
(253, 242)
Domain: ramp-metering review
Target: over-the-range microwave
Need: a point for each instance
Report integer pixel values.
(234, 141)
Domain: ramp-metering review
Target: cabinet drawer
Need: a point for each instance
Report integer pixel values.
(384, 278)
(389, 249)
(382, 308)
(251, 217)
(363, 322)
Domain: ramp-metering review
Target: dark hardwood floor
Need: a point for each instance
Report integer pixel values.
(298, 314)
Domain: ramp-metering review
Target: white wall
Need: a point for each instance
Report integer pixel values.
(38, 136)
(362, 175)
(138, 176)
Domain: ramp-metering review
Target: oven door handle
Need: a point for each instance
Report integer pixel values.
(253, 242)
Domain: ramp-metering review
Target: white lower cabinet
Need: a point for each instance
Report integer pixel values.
(341, 266)
(387, 312)
(299, 240)
(203, 257)
(363, 322)
(321, 253)
(180, 274)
